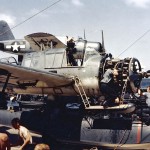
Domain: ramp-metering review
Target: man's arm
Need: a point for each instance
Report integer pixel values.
(26, 141)
(134, 89)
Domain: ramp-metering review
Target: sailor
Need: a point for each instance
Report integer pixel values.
(10, 102)
(24, 134)
(107, 86)
(4, 142)
(135, 80)
(70, 51)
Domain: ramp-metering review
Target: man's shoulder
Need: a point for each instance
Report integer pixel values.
(22, 128)
(108, 71)
(133, 77)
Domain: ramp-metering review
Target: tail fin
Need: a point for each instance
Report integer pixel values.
(5, 31)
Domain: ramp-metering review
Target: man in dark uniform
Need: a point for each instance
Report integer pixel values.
(70, 51)
(107, 86)
(135, 80)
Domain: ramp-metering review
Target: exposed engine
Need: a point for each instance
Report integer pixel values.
(127, 67)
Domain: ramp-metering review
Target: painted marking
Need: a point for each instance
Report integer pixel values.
(15, 46)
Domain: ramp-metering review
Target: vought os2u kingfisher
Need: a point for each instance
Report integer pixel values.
(48, 66)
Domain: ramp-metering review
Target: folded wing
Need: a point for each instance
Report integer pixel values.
(44, 41)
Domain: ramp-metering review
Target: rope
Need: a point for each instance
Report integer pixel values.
(30, 17)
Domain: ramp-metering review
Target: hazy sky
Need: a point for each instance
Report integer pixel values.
(123, 22)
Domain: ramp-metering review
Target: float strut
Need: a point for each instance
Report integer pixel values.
(5, 85)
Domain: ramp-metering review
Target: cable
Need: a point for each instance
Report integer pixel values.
(30, 17)
(134, 42)
(119, 144)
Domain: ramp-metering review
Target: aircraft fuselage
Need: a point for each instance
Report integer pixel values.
(55, 60)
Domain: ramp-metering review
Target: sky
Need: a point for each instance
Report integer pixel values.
(125, 23)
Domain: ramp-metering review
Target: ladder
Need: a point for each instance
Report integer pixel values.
(124, 90)
(82, 93)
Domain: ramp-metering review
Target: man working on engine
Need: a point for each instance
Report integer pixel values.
(107, 86)
(135, 81)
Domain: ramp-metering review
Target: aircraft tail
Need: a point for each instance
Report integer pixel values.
(5, 31)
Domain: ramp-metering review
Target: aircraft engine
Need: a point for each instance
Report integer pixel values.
(126, 67)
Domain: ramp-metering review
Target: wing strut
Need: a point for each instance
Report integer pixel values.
(5, 85)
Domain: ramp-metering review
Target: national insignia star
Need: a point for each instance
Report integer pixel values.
(15, 47)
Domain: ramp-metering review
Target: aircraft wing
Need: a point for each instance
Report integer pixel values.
(48, 40)
(23, 76)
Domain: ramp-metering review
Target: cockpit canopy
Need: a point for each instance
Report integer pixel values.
(81, 50)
